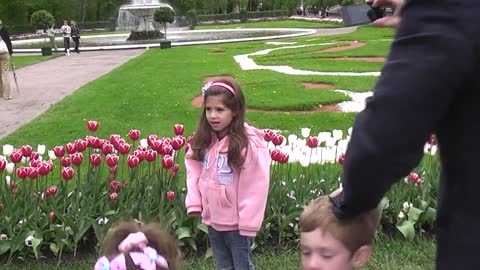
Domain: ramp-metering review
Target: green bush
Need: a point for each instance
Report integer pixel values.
(42, 19)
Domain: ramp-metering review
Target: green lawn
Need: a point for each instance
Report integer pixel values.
(272, 24)
(154, 91)
(22, 61)
(388, 254)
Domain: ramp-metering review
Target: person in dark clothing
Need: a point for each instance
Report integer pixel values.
(75, 35)
(430, 84)
(6, 51)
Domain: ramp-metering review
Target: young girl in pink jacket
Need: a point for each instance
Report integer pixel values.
(228, 174)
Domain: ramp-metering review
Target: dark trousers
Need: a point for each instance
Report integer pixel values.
(77, 43)
(231, 250)
(66, 43)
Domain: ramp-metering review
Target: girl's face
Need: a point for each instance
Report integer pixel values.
(218, 115)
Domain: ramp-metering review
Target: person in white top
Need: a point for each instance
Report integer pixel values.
(66, 31)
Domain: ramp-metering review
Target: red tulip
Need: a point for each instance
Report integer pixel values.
(26, 150)
(92, 125)
(413, 177)
(80, 145)
(133, 161)
(268, 135)
(276, 155)
(150, 155)
(151, 139)
(51, 215)
(95, 142)
(178, 129)
(67, 173)
(118, 142)
(49, 163)
(113, 169)
(13, 184)
(341, 158)
(70, 148)
(140, 154)
(284, 158)
(111, 160)
(59, 151)
(113, 197)
(432, 140)
(95, 159)
(312, 142)
(175, 167)
(32, 172)
(16, 156)
(35, 163)
(167, 149)
(1, 206)
(157, 145)
(177, 143)
(34, 156)
(51, 191)
(115, 186)
(113, 138)
(141, 148)
(22, 172)
(107, 148)
(76, 158)
(124, 148)
(65, 161)
(277, 139)
(170, 195)
(43, 169)
(3, 164)
(134, 134)
(167, 162)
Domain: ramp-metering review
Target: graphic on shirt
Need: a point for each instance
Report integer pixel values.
(224, 171)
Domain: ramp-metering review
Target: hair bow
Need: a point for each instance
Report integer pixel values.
(146, 259)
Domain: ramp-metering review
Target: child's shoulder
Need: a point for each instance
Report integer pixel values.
(255, 136)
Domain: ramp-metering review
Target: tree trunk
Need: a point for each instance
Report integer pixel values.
(165, 30)
(84, 10)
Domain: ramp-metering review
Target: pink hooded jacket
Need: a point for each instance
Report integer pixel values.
(230, 199)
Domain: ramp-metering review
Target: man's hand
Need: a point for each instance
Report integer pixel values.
(388, 21)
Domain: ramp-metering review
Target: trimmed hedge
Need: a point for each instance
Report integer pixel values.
(236, 16)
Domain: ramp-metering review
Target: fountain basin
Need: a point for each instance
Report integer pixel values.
(178, 38)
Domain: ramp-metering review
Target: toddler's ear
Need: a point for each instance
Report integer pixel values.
(360, 257)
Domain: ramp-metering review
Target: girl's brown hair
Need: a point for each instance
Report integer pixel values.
(158, 239)
(238, 140)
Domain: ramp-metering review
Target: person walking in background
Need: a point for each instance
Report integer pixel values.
(66, 32)
(75, 35)
(51, 35)
(228, 175)
(5, 53)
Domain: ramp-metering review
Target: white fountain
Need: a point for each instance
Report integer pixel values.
(138, 16)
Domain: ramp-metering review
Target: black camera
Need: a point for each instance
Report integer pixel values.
(361, 14)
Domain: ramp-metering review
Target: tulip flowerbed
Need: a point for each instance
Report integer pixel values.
(54, 202)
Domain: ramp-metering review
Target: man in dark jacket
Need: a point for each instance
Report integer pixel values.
(5, 53)
(429, 84)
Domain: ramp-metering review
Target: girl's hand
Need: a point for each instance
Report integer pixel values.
(194, 214)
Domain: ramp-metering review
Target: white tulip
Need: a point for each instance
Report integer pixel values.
(3, 237)
(28, 241)
(143, 142)
(24, 159)
(41, 149)
(337, 134)
(322, 137)
(305, 132)
(7, 179)
(304, 161)
(102, 221)
(51, 155)
(292, 138)
(401, 215)
(7, 149)
(10, 167)
(330, 141)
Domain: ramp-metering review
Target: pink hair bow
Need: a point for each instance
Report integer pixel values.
(147, 259)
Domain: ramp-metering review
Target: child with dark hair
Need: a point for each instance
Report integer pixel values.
(130, 246)
(228, 174)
